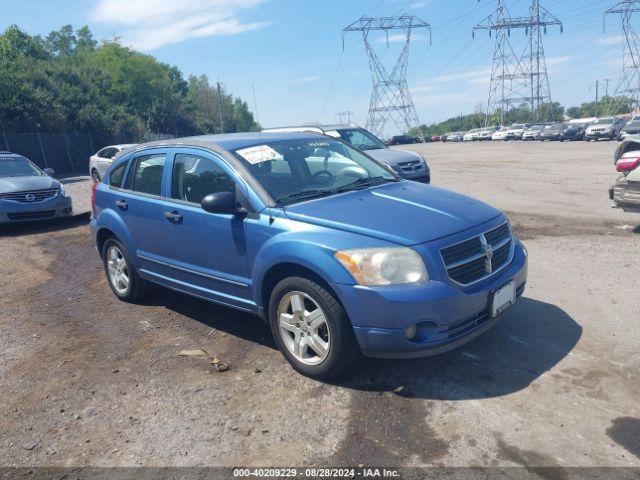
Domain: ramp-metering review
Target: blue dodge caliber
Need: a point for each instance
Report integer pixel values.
(333, 249)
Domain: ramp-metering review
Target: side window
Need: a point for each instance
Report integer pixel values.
(145, 175)
(115, 177)
(196, 177)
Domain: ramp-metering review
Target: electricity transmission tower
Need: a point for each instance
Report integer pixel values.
(390, 98)
(629, 83)
(344, 117)
(518, 78)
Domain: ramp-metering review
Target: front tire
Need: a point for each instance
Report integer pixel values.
(122, 276)
(95, 176)
(311, 328)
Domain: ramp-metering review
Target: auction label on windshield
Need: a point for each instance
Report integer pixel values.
(258, 154)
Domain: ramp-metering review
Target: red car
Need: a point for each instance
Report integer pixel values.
(436, 138)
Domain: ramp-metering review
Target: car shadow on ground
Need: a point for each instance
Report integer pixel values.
(530, 339)
(233, 322)
(44, 226)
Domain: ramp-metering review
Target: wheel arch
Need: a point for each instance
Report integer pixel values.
(279, 272)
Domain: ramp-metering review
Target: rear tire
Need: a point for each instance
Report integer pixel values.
(122, 276)
(311, 328)
(95, 176)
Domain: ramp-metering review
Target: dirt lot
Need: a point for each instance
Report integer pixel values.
(88, 380)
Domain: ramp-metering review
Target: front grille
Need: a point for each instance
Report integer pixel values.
(30, 215)
(31, 196)
(478, 257)
(411, 166)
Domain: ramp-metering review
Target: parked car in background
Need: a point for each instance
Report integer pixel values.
(471, 135)
(455, 137)
(339, 255)
(625, 194)
(485, 133)
(436, 138)
(500, 134)
(101, 160)
(403, 140)
(552, 132)
(532, 132)
(409, 165)
(573, 131)
(29, 193)
(606, 127)
(632, 127)
(516, 131)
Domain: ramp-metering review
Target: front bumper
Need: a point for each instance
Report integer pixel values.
(422, 175)
(598, 135)
(453, 315)
(55, 207)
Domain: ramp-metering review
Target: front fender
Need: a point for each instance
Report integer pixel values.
(312, 248)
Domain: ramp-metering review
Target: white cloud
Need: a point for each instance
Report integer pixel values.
(611, 40)
(301, 80)
(149, 24)
(399, 37)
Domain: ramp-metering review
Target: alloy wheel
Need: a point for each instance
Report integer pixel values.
(117, 269)
(304, 328)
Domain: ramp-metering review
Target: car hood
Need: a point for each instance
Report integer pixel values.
(23, 184)
(392, 156)
(407, 213)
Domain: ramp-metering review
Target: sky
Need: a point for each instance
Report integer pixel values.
(292, 55)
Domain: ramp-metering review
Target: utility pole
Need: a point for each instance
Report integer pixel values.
(345, 114)
(597, 87)
(220, 108)
(629, 83)
(390, 98)
(517, 79)
(255, 104)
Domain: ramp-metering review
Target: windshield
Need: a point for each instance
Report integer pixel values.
(296, 170)
(555, 126)
(518, 126)
(361, 139)
(605, 121)
(17, 167)
(536, 127)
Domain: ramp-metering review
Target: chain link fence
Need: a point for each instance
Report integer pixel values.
(65, 152)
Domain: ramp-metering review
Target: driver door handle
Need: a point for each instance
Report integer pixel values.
(173, 216)
(122, 204)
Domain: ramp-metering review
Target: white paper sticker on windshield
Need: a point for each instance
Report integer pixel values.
(259, 154)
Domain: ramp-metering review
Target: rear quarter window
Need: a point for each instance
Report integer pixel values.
(117, 174)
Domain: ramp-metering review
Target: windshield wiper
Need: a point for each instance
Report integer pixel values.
(366, 182)
(309, 193)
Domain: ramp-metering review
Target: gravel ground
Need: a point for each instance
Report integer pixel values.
(88, 380)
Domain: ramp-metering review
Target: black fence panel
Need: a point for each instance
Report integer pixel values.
(66, 152)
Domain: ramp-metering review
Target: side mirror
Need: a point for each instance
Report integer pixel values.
(221, 202)
(49, 171)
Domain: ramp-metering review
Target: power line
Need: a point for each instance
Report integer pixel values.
(390, 98)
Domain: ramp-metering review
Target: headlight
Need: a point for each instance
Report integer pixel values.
(63, 192)
(383, 266)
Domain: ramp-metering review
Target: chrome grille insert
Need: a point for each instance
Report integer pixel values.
(479, 257)
(30, 196)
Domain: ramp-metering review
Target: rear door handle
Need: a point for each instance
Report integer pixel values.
(122, 204)
(173, 216)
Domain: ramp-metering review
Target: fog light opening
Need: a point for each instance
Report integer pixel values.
(411, 332)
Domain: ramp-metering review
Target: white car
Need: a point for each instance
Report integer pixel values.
(517, 130)
(471, 135)
(501, 134)
(100, 161)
